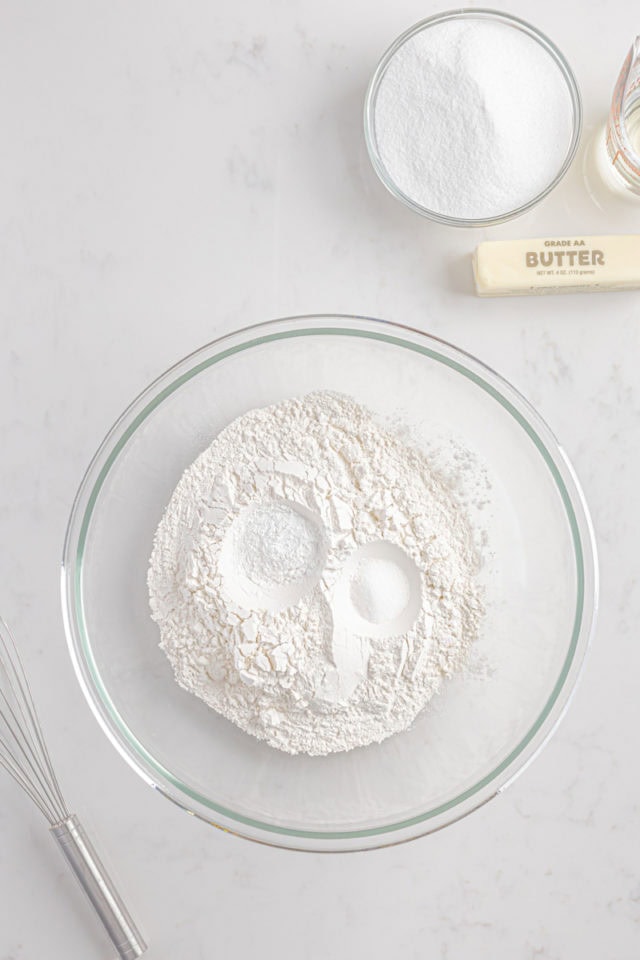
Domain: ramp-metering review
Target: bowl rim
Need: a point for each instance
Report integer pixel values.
(470, 13)
(87, 496)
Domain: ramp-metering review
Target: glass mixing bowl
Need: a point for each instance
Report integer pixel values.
(486, 724)
(481, 14)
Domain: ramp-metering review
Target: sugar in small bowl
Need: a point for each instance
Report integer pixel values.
(472, 117)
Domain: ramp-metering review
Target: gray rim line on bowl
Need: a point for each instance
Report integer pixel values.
(480, 13)
(575, 534)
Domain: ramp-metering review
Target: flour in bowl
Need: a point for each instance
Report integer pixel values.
(313, 579)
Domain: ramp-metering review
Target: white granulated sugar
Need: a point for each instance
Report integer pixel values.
(473, 118)
(313, 579)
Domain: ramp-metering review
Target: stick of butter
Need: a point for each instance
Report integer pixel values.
(506, 268)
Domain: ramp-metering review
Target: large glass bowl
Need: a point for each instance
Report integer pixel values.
(484, 727)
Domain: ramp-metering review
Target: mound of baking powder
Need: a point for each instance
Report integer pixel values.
(313, 580)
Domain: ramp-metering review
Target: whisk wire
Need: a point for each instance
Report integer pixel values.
(27, 699)
(18, 747)
(9, 763)
(32, 784)
(24, 730)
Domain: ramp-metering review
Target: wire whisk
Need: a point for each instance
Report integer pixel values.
(24, 754)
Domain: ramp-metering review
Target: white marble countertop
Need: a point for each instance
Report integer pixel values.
(170, 171)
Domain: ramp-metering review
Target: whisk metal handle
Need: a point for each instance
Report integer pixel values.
(94, 880)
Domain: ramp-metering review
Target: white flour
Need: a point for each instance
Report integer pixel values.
(473, 119)
(312, 579)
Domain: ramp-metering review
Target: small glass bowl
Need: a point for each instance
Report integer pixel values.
(374, 87)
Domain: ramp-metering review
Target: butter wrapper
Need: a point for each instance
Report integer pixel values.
(509, 268)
